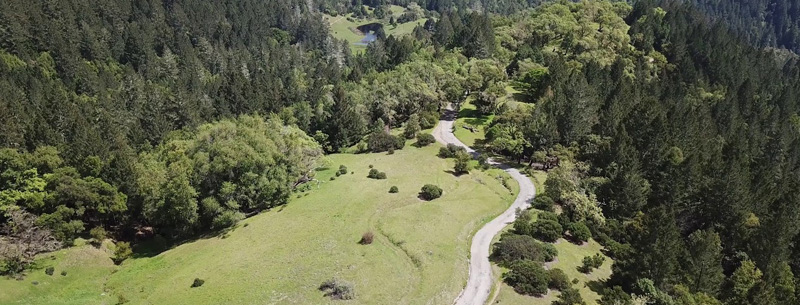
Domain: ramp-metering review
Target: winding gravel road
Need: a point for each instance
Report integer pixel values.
(480, 282)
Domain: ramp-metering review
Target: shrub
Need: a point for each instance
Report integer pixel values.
(366, 238)
(591, 262)
(528, 277)
(334, 178)
(544, 203)
(381, 176)
(393, 189)
(547, 216)
(50, 270)
(579, 232)
(370, 166)
(381, 141)
(226, 219)
(424, 139)
(375, 174)
(550, 252)
(547, 230)
(198, 282)
(430, 192)
(450, 151)
(462, 165)
(514, 247)
(483, 161)
(342, 170)
(558, 279)
(98, 235)
(64, 273)
(569, 296)
(337, 289)
(122, 251)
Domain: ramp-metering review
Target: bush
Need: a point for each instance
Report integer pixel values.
(579, 232)
(591, 262)
(547, 216)
(558, 279)
(528, 277)
(49, 270)
(366, 238)
(547, 230)
(342, 170)
(550, 252)
(334, 178)
(337, 290)
(483, 161)
(375, 174)
(393, 189)
(569, 296)
(198, 282)
(514, 247)
(462, 165)
(122, 251)
(430, 192)
(412, 127)
(544, 203)
(450, 151)
(380, 141)
(424, 139)
(64, 273)
(98, 235)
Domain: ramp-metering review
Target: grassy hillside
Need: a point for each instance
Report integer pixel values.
(419, 255)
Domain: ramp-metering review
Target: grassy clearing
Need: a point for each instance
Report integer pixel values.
(570, 256)
(469, 115)
(344, 29)
(419, 256)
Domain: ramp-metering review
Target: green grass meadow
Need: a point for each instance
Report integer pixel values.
(419, 255)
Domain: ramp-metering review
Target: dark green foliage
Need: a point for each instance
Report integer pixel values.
(615, 296)
(412, 128)
(550, 251)
(393, 189)
(49, 270)
(342, 170)
(122, 251)
(558, 279)
(64, 273)
(546, 230)
(375, 174)
(514, 247)
(197, 283)
(591, 262)
(337, 289)
(430, 192)
(579, 232)
(380, 141)
(424, 139)
(569, 296)
(527, 277)
(544, 203)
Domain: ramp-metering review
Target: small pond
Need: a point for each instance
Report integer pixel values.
(369, 31)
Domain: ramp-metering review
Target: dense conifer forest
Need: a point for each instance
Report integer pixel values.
(677, 123)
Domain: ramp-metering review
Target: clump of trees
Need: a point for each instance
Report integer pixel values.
(527, 277)
(450, 151)
(376, 174)
(424, 139)
(591, 262)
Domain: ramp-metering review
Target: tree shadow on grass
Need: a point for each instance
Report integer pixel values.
(596, 286)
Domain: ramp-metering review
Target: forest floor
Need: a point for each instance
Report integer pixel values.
(419, 256)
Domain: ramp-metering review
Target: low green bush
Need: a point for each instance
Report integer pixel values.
(393, 189)
(49, 270)
(122, 251)
(558, 279)
(198, 282)
(430, 192)
(424, 139)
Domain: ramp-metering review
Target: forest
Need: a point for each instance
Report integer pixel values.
(678, 124)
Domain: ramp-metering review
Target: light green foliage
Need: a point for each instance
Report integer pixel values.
(462, 162)
(122, 251)
(233, 166)
(742, 281)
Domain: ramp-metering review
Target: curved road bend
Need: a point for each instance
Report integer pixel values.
(479, 284)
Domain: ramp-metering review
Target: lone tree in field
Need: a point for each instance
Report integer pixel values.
(430, 192)
(462, 163)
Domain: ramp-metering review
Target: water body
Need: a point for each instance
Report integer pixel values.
(369, 31)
